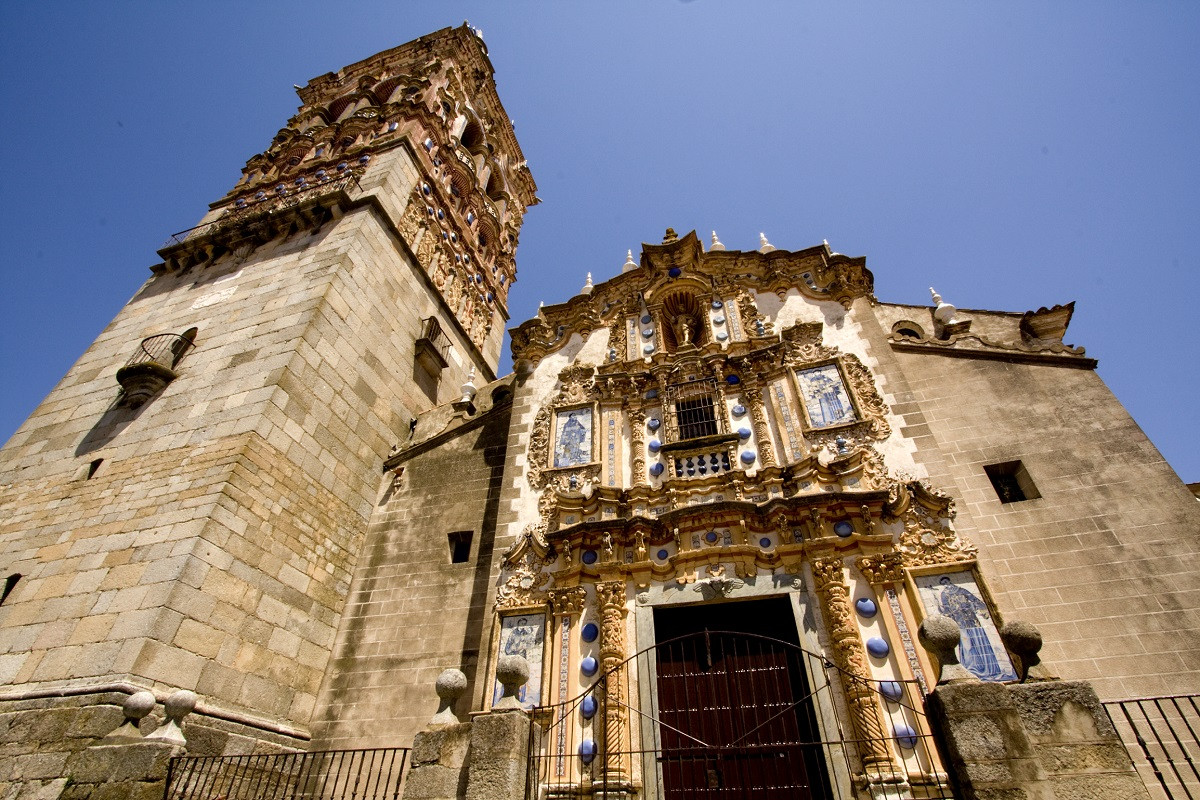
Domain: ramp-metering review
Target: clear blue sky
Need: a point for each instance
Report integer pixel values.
(1012, 155)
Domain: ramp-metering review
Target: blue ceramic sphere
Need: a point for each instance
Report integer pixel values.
(656, 470)
(748, 457)
(710, 537)
(648, 349)
(587, 751)
(718, 320)
(866, 606)
(739, 410)
(906, 737)
(590, 632)
(743, 433)
(647, 333)
(647, 319)
(843, 529)
(716, 303)
(588, 707)
(674, 272)
(891, 690)
(589, 556)
(764, 542)
(877, 647)
(588, 666)
(654, 445)
(732, 380)
(662, 555)
(722, 336)
(653, 423)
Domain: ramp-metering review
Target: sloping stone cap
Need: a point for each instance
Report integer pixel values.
(450, 419)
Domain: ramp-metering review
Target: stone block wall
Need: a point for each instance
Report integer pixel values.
(412, 613)
(212, 547)
(1106, 561)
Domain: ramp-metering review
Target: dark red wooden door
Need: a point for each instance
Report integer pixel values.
(734, 710)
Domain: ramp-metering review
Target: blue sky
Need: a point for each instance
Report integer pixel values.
(1012, 155)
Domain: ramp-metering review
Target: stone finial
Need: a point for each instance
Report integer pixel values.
(587, 285)
(628, 265)
(940, 635)
(512, 672)
(468, 388)
(716, 243)
(135, 707)
(177, 706)
(763, 245)
(670, 236)
(450, 686)
(944, 313)
(1025, 641)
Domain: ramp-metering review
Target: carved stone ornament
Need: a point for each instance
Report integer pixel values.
(870, 404)
(882, 568)
(567, 601)
(717, 583)
(803, 345)
(524, 585)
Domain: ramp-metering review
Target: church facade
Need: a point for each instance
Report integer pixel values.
(288, 478)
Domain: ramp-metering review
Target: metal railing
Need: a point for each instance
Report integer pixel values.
(374, 774)
(165, 349)
(730, 715)
(1161, 736)
(274, 201)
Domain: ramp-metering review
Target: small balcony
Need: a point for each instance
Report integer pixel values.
(152, 366)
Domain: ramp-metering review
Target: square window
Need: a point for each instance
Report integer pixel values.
(460, 547)
(1011, 481)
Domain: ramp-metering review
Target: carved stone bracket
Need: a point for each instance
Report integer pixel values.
(567, 601)
(882, 568)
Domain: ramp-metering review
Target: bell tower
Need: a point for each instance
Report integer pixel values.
(185, 509)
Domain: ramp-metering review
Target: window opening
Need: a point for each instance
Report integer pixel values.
(460, 547)
(692, 412)
(92, 467)
(1011, 481)
(10, 583)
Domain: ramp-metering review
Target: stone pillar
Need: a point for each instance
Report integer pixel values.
(637, 444)
(829, 577)
(758, 419)
(498, 766)
(1049, 740)
(611, 597)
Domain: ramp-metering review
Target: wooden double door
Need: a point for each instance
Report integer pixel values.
(735, 710)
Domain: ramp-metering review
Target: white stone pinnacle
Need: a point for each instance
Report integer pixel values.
(716, 243)
(587, 285)
(628, 265)
(763, 245)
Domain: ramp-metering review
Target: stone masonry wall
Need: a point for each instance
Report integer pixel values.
(1107, 561)
(412, 613)
(213, 546)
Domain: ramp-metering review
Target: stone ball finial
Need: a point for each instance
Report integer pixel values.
(450, 686)
(177, 706)
(135, 707)
(512, 672)
(940, 635)
(1025, 642)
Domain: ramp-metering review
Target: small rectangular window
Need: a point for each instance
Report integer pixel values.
(692, 410)
(460, 547)
(1011, 481)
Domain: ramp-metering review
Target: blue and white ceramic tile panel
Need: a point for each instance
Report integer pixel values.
(573, 437)
(789, 424)
(733, 319)
(633, 345)
(906, 639)
(564, 662)
(611, 428)
(825, 396)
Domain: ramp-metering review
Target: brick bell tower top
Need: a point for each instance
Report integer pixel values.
(436, 97)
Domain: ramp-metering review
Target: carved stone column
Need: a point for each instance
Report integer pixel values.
(611, 598)
(637, 443)
(758, 418)
(831, 586)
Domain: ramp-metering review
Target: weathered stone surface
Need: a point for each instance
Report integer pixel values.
(499, 756)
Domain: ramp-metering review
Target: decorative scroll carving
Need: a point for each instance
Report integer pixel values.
(539, 449)
(637, 446)
(753, 322)
(874, 410)
(926, 543)
(802, 344)
(568, 601)
(851, 659)
(717, 584)
(526, 584)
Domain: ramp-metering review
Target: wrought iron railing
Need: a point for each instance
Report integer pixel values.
(374, 774)
(729, 715)
(272, 202)
(165, 349)
(1161, 736)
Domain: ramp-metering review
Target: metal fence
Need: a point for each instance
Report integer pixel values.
(721, 715)
(375, 774)
(1161, 736)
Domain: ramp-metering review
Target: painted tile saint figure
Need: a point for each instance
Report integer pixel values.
(825, 396)
(573, 444)
(524, 636)
(979, 649)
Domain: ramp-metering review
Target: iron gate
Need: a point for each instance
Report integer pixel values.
(726, 715)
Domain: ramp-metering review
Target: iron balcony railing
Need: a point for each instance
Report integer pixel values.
(1161, 735)
(374, 774)
(278, 199)
(164, 349)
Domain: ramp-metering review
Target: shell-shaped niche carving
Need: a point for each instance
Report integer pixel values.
(685, 321)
